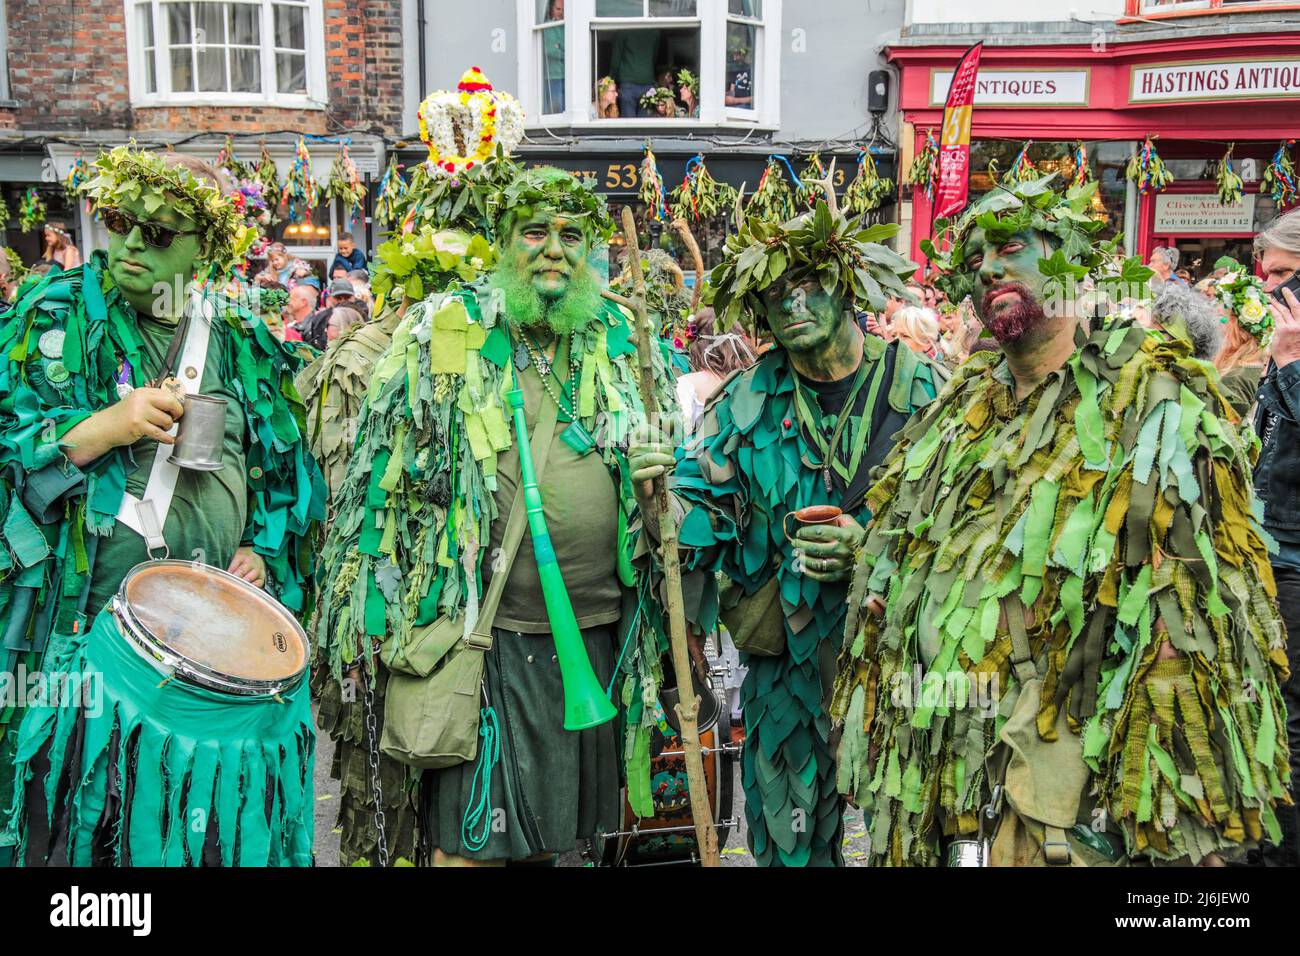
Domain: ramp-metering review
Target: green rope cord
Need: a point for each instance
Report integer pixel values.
(478, 812)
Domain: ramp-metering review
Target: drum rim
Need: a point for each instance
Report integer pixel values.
(195, 672)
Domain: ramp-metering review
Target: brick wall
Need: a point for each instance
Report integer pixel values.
(68, 73)
(67, 66)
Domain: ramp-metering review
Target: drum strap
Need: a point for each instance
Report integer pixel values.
(146, 516)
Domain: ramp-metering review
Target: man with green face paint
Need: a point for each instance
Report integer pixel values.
(802, 427)
(1071, 654)
(422, 518)
(86, 421)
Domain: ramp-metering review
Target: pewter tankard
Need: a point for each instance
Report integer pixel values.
(201, 434)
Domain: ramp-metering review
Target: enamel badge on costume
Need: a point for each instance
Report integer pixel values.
(57, 374)
(51, 343)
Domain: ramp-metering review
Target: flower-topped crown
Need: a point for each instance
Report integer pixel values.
(656, 94)
(464, 127)
(128, 172)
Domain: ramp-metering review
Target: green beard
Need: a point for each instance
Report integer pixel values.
(525, 306)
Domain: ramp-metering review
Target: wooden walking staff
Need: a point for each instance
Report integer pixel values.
(683, 229)
(688, 704)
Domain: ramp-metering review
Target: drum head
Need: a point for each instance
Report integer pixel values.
(215, 620)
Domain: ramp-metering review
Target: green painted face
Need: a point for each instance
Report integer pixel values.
(804, 317)
(1002, 262)
(143, 272)
(549, 248)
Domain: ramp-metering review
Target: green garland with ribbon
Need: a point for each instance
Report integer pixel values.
(31, 210)
(808, 190)
(1279, 179)
(869, 189)
(268, 175)
(1148, 170)
(924, 171)
(1227, 181)
(701, 197)
(652, 187)
(234, 167)
(773, 198)
(344, 183)
(1022, 168)
(392, 186)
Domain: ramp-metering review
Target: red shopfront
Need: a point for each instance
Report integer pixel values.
(1196, 94)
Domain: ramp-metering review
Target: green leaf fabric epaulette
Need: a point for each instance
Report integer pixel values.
(1110, 509)
(738, 478)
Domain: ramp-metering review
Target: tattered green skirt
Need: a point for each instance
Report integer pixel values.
(552, 787)
(154, 773)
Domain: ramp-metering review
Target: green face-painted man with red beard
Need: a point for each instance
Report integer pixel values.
(1062, 646)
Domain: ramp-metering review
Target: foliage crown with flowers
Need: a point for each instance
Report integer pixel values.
(129, 172)
(1243, 295)
(1032, 205)
(845, 257)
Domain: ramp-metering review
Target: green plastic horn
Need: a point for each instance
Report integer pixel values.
(585, 702)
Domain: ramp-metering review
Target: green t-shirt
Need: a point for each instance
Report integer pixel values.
(580, 502)
(209, 510)
(632, 59)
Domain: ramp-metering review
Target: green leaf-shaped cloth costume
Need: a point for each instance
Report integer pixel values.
(747, 468)
(413, 533)
(65, 345)
(1034, 555)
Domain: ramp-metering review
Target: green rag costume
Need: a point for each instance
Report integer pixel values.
(744, 472)
(1032, 555)
(414, 524)
(65, 345)
(334, 389)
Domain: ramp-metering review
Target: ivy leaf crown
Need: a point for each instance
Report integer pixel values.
(128, 172)
(842, 255)
(547, 187)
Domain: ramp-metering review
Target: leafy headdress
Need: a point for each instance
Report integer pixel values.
(128, 172)
(1034, 205)
(822, 245)
(546, 187)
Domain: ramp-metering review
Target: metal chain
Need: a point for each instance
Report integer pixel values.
(372, 746)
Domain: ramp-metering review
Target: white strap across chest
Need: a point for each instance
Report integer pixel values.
(146, 516)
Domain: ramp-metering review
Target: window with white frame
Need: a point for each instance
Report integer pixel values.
(650, 61)
(227, 51)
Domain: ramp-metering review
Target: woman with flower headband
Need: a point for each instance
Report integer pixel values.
(59, 248)
(89, 354)
(1248, 324)
(607, 98)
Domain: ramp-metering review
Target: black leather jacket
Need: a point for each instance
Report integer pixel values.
(1277, 475)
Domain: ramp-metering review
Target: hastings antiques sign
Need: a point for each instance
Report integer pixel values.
(1018, 87)
(1201, 214)
(1223, 80)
